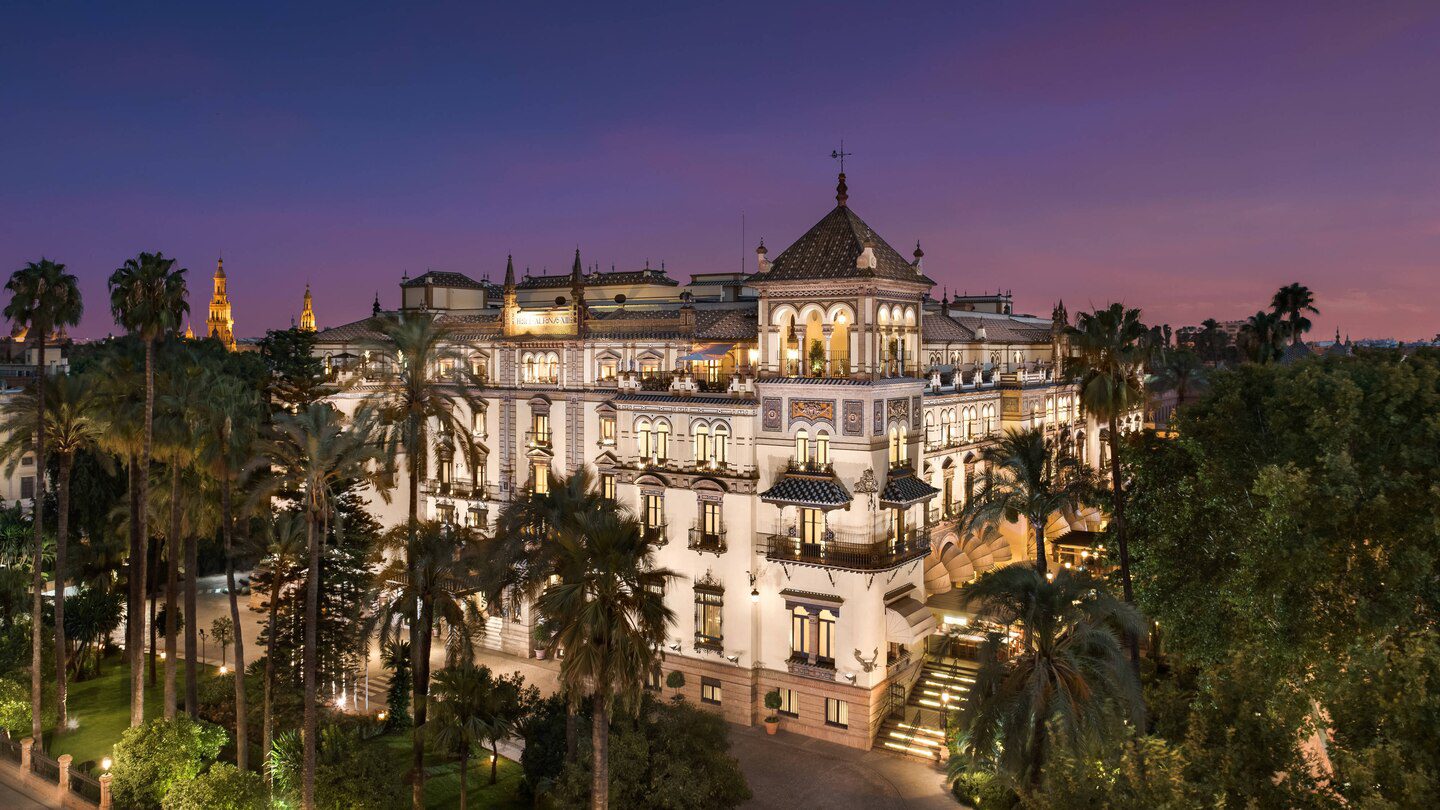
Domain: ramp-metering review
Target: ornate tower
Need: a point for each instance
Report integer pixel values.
(510, 305)
(577, 294)
(220, 324)
(307, 314)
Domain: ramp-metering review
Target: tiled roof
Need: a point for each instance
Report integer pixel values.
(813, 381)
(442, 278)
(938, 328)
(830, 249)
(807, 490)
(1006, 329)
(904, 489)
(703, 399)
(726, 324)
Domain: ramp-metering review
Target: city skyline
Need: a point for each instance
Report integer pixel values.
(1185, 162)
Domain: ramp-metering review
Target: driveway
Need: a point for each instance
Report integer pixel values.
(789, 771)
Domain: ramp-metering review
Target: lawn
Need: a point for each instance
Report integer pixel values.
(442, 777)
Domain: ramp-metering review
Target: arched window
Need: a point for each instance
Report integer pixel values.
(642, 438)
(822, 447)
(721, 444)
(527, 367)
(552, 368)
(934, 436)
(897, 446)
(802, 446)
(662, 440)
(701, 434)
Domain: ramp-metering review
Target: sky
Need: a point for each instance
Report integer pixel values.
(1185, 158)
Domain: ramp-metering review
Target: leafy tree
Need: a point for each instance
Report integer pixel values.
(93, 616)
(672, 755)
(43, 297)
(1028, 477)
(473, 708)
(14, 705)
(284, 559)
(147, 298)
(222, 787)
(1144, 774)
(676, 680)
(1112, 350)
(222, 631)
(1291, 302)
(159, 753)
(607, 613)
(1064, 685)
(296, 374)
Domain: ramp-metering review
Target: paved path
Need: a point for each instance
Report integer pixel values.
(12, 799)
(789, 771)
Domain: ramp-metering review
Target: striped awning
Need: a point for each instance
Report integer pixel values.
(907, 621)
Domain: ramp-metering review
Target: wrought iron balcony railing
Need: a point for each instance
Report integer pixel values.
(712, 540)
(831, 551)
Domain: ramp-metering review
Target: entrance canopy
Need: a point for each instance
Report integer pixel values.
(907, 621)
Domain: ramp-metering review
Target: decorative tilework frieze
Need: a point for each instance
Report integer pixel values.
(915, 422)
(770, 413)
(879, 427)
(898, 410)
(853, 414)
(812, 410)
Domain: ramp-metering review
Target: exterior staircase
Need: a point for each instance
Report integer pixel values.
(916, 728)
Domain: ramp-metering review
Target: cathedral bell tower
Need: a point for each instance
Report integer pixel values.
(307, 313)
(509, 302)
(220, 324)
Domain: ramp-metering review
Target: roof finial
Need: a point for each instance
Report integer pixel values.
(375, 308)
(842, 193)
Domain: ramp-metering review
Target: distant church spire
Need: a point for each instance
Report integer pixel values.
(307, 313)
(220, 324)
(375, 308)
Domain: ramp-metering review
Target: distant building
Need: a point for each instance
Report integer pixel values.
(307, 313)
(221, 324)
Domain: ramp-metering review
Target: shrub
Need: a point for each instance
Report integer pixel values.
(157, 754)
(348, 774)
(223, 787)
(14, 705)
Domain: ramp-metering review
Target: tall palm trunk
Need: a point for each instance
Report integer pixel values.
(141, 542)
(464, 783)
(38, 578)
(135, 608)
(192, 662)
(242, 723)
(600, 743)
(62, 532)
(309, 663)
(1041, 564)
(1037, 773)
(154, 576)
(494, 761)
(420, 635)
(267, 731)
(172, 587)
(1117, 495)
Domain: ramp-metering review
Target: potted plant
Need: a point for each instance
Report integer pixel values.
(541, 640)
(676, 680)
(772, 703)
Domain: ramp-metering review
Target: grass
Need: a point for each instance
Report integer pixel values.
(442, 777)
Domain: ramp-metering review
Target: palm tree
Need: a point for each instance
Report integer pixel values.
(285, 554)
(608, 613)
(419, 396)
(229, 424)
(1262, 338)
(1065, 682)
(43, 298)
(1027, 476)
(473, 707)
(524, 553)
(71, 424)
(1292, 302)
(1180, 371)
(315, 451)
(1112, 350)
(436, 578)
(147, 298)
(182, 394)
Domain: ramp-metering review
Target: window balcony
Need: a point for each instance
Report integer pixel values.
(655, 534)
(537, 438)
(711, 541)
(796, 465)
(849, 553)
(821, 669)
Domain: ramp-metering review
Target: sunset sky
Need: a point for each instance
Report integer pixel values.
(1186, 158)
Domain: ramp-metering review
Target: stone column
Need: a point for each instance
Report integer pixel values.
(27, 745)
(106, 803)
(64, 786)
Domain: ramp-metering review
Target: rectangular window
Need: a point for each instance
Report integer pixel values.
(789, 703)
(812, 526)
(540, 429)
(837, 713)
(607, 370)
(825, 644)
(446, 513)
(607, 486)
(653, 510)
(799, 632)
(710, 691)
(709, 628)
(540, 478)
(710, 522)
(27, 461)
(607, 430)
(27, 486)
(822, 448)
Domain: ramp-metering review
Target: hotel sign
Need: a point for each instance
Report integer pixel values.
(560, 321)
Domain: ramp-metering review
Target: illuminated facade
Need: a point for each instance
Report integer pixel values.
(801, 439)
(220, 324)
(307, 313)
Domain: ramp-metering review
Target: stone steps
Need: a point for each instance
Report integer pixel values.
(919, 731)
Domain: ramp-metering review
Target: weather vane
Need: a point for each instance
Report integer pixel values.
(840, 155)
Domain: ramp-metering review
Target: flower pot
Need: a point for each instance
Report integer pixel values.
(772, 725)
(539, 655)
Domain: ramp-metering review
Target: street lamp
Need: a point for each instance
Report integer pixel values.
(202, 644)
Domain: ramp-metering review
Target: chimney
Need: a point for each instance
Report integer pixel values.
(761, 263)
(919, 258)
(866, 261)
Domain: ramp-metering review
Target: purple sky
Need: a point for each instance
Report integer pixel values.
(1187, 158)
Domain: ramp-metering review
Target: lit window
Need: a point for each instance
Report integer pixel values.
(802, 446)
(540, 429)
(662, 441)
(822, 448)
(710, 691)
(607, 370)
(607, 486)
(702, 443)
(812, 526)
(642, 439)
(837, 713)
(721, 449)
(652, 510)
(607, 430)
(800, 631)
(709, 608)
(789, 703)
(540, 478)
(825, 644)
